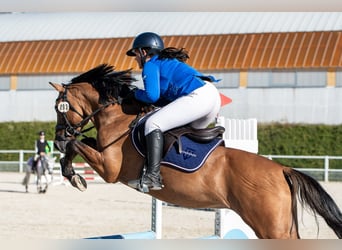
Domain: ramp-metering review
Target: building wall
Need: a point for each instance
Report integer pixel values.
(287, 105)
(33, 98)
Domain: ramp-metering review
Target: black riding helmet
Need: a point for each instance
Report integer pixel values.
(147, 40)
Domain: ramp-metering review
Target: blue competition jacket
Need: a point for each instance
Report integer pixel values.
(167, 79)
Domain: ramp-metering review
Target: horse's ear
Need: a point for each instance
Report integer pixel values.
(57, 86)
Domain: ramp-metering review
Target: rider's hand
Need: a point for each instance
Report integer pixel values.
(148, 108)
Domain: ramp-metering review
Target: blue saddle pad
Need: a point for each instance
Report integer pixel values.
(193, 153)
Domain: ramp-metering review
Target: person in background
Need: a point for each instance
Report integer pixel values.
(42, 147)
(187, 97)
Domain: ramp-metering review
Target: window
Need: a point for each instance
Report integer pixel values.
(283, 79)
(40, 82)
(228, 79)
(311, 79)
(5, 83)
(338, 78)
(258, 79)
(286, 79)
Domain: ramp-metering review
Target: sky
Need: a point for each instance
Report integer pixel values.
(168, 5)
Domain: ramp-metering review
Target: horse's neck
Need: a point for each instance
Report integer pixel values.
(112, 125)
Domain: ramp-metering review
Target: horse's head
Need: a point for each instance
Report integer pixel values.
(69, 116)
(84, 97)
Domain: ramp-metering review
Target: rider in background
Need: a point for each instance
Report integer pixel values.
(187, 95)
(41, 147)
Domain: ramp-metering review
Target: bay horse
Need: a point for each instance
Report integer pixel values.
(263, 192)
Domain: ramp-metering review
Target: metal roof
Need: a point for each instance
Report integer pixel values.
(207, 52)
(94, 25)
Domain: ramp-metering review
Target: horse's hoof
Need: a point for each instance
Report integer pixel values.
(78, 182)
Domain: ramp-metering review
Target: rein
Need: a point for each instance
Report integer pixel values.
(64, 106)
(71, 130)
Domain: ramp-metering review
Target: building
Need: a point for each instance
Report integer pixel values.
(276, 66)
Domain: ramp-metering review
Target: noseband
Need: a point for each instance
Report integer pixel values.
(64, 107)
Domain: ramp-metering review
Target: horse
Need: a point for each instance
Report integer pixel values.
(44, 164)
(264, 193)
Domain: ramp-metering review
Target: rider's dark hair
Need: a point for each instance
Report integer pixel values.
(171, 53)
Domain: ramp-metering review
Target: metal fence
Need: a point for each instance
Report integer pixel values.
(18, 165)
(322, 173)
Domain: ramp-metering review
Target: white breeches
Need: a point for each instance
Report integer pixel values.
(199, 108)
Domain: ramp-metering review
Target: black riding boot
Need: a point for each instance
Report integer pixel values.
(151, 178)
(154, 144)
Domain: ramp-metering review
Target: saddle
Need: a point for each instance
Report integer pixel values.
(197, 135)
(173, 136)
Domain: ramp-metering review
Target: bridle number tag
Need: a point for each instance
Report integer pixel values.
(63, 107)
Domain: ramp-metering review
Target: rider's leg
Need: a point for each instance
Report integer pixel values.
(154, 144)
(151, 179)
(199, 108)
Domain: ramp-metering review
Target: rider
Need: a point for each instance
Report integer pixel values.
(188, 95)
(41, 148)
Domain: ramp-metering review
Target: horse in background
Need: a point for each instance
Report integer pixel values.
(44, 167)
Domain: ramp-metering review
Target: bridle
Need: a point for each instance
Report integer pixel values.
(64, 106)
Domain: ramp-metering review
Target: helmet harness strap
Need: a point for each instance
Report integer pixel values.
(142, 57)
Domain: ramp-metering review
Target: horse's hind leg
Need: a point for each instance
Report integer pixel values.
(46, 183)
(267, 209)
(26, 181)
(273, 218)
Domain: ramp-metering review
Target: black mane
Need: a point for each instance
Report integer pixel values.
(109, 83)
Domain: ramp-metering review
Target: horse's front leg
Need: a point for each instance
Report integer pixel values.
(91, 156)
(106, 163)
(68, 171)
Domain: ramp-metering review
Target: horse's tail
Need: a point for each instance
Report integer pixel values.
(311, 194)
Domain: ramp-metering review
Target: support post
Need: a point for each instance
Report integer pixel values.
(156, 223)
(326, 168)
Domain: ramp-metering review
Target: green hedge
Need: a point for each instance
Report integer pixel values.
(298, 139)
(22, 135)
(275, 139)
